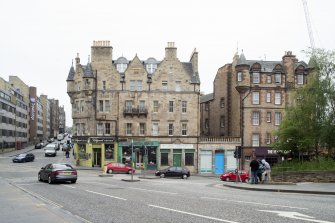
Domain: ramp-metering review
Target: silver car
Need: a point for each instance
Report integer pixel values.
(50, 150)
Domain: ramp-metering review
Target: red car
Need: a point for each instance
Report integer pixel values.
(119, 168)
(231, 176)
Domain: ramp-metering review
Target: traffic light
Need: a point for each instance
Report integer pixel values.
(238, 152)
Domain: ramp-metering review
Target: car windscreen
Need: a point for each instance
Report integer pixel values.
(21, 155)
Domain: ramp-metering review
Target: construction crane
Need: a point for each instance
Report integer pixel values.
(309, 26)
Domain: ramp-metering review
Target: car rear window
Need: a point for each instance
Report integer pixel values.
(62, 166)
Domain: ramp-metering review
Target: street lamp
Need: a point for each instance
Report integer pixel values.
(132, 160)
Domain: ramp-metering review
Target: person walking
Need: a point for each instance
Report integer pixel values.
(254, 166)
(260, 170)
(267, 171)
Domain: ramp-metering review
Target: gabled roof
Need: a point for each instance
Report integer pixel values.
(206, 98)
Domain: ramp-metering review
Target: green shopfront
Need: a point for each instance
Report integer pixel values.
(144, 154)
(178, 155)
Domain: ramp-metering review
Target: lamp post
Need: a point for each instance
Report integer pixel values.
(132, 160)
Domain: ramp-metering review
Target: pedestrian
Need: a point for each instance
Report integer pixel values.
(267, 171)
(67, 152)
(254, 169)
(260, 171)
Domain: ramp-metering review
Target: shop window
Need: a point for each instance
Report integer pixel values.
(82, 151)
(164, 159)
(109, 151)
(189, 159)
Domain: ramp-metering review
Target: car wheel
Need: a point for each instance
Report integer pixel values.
(73, 181)
(162, 175)
(110, 171)
(129, 172)
(184, 176)
(227, 179)
(49, 180)
(39, 177)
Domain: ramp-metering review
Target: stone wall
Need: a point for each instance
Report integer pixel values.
(327, 176)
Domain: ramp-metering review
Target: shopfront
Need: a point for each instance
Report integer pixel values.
(177, 155)
(144, 154)
(94, 151)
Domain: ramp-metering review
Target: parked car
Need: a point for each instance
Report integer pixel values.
(231, 176)
(39, 145)
(119, 168)
(174, 171)
(50, 150)
(23, 157)
(58, 172)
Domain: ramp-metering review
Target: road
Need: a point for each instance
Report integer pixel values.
(197, 199)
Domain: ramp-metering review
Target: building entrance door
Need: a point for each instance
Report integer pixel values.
(97, 157)
(177, 159)
(219, 163)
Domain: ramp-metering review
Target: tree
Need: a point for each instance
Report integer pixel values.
(309, 122)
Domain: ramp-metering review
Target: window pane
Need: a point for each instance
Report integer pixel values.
(255, 98)
(164, 159)
(109, 151)
(255, 118)
(189, 159)
(255, 78)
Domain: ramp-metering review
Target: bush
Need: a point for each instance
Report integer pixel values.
(295, 165)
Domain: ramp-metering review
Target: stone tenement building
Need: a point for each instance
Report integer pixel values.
(149, 105)
(254, 93)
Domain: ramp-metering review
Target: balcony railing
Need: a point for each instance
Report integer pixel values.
(131, 111)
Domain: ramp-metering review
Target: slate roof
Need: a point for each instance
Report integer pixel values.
(193, 75)
(88, 70)
(206, 97)
(70, 76)
(266, 66)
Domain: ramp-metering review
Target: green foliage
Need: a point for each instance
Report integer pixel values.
(309, 123)
(296, 165)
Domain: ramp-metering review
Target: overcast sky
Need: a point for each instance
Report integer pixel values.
(40, 38)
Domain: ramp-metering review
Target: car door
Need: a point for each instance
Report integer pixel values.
(170, 171)
(47, 170)
(122, 168)
(178, 172)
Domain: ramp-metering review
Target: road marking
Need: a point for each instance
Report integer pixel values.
(248, 202)
(156, 191)
(69, 186)
(296, 215)
(22, 184)
(120, 198)
(189, 213)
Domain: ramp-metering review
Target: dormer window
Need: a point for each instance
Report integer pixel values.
(151, 68)
(121, 67)
(121, 64)
(278, 78)
(255, 77)
(300, 79)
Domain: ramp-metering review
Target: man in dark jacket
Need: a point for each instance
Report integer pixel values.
(254, 166)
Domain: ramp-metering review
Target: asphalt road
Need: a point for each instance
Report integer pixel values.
(197, 199)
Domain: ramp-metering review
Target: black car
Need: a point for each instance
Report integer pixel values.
(58, 172)
(39, 145)
(174, 171)
(23, 157)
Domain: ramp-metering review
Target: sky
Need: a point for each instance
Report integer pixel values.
(40, 38)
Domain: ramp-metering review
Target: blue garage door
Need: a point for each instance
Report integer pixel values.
(219, 163)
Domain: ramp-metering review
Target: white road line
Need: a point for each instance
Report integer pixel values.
(189, 213)
(22, 184)
(255, 203)
(156, 191)
(69, 186)
(120, 198)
